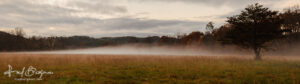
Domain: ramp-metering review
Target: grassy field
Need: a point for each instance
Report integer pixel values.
(113, 69)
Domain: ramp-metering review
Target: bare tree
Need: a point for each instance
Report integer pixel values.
(210, 27)
(18, 32)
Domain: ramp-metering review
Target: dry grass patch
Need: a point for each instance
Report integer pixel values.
(155, 69)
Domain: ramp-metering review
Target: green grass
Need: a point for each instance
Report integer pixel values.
(113, 69)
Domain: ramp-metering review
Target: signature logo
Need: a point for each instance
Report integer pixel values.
(27, 74)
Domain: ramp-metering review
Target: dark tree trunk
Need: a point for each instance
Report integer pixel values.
(257, 52)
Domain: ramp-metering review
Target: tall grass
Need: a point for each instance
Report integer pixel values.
(135, 69)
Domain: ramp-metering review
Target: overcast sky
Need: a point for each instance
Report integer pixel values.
(103, 18)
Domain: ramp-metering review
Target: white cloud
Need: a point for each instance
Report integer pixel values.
(280, 5)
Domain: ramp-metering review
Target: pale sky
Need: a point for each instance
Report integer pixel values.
(110, 18)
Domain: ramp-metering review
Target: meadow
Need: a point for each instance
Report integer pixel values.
(153, 69)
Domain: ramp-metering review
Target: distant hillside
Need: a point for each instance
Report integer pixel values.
(10, 42)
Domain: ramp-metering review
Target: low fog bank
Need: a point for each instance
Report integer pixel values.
(290, 50)
(146, 50)
(169, 50)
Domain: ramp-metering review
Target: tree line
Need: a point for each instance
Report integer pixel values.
(256, 28)
(15, 41)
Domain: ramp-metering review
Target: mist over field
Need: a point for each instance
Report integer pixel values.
(165, 51)
(142, 50)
